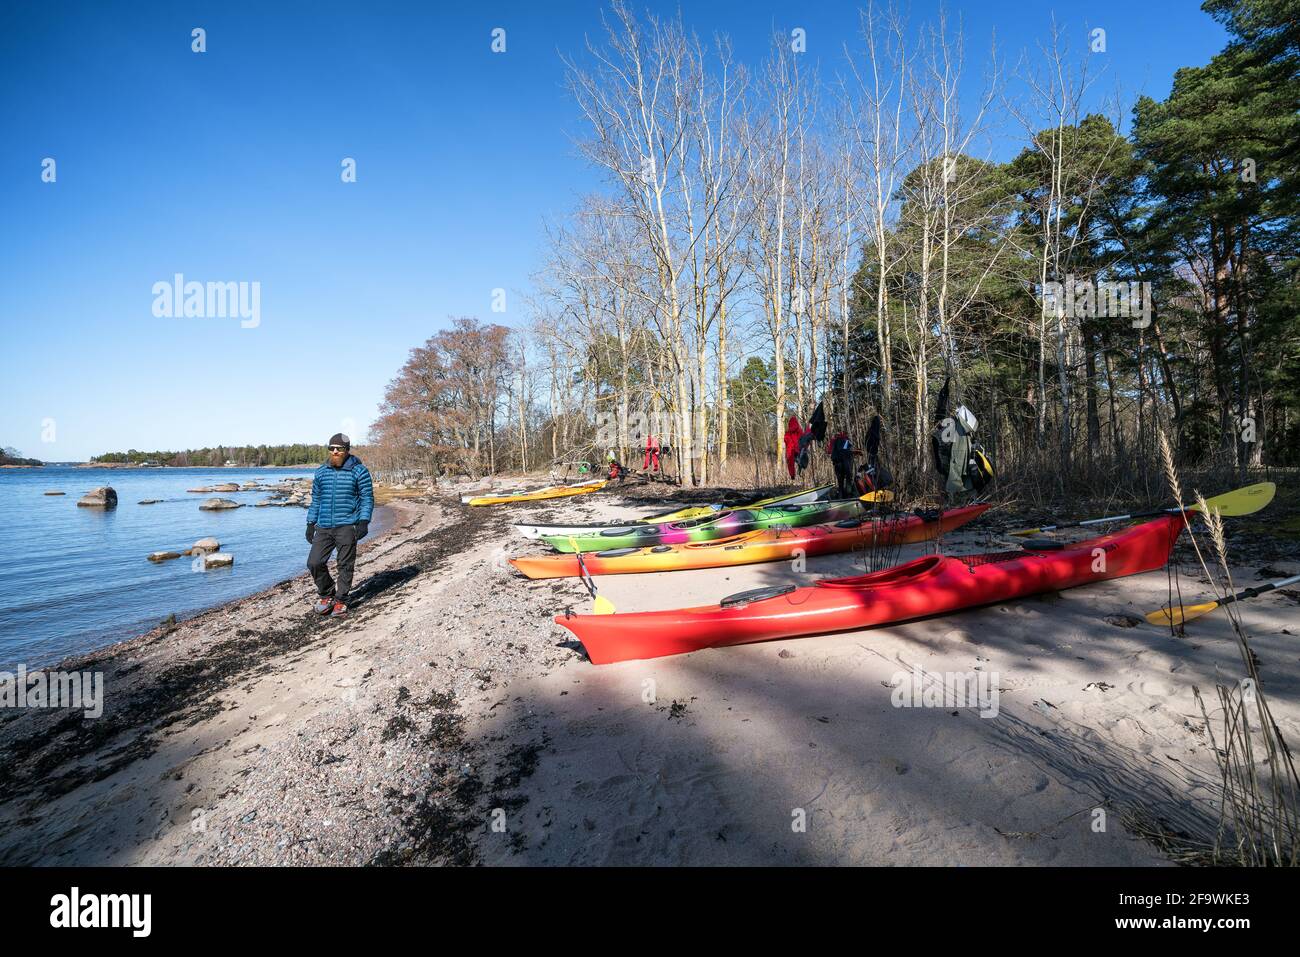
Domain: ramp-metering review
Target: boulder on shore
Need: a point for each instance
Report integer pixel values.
(218, 560)
(163, 556)
(215, 504)
(102, 497)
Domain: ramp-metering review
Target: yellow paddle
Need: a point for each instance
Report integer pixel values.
(1176, 616)
(1242, 501)
(600, 605)
(884, 495)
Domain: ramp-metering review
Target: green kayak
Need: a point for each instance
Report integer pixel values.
(710, 527)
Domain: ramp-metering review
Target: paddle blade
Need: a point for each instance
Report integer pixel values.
(1180, 614)
(602, 606)
(1242, 501)
(884, 495)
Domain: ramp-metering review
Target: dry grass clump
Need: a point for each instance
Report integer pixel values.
(1259, 816)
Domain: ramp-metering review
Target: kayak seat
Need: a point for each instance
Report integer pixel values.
(849, 523)
(617, 552)
(913, 570)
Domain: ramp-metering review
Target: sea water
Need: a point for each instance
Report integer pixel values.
(73, 578)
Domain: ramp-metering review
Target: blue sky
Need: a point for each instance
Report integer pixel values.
(225, 166)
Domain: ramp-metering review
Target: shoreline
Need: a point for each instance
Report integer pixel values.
(256, 733)
(391, 523)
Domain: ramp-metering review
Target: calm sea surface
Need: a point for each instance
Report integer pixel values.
(73, 579)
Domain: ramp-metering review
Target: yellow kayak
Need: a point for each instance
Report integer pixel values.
(556, 491)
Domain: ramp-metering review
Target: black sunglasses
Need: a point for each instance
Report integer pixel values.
(338, 448)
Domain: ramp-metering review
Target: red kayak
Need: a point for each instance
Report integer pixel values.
(933, 585)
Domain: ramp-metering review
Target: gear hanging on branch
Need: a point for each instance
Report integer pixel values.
(960, 461)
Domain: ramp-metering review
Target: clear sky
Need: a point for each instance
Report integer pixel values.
(225, 166)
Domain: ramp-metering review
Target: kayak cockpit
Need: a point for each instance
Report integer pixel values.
(909, 572)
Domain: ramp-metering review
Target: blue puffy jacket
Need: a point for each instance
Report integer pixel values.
(341, 496)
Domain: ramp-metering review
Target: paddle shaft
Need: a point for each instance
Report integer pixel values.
(1110, 518)
(1238, 502)
(1252, 592)
(585, 576)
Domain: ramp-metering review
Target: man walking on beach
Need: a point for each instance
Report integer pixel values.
(342, 501)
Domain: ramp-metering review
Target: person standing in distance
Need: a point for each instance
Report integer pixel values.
(342, 501)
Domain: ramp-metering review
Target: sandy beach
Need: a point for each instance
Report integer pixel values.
(449, 720)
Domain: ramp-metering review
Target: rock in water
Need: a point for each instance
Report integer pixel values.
(102, 497)
(214, 504)
(218, 560)
(150, 501)
(163, 556)
(226, 487)
(56, 493)
(204, 545)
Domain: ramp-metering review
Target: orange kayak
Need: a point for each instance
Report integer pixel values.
(764, 545)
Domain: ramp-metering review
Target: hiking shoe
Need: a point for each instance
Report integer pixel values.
(339, 610)
(323, 605)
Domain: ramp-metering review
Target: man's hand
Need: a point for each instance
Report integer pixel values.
(311, 531)
(363, 529)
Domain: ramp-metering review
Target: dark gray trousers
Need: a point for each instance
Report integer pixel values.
(343, 540)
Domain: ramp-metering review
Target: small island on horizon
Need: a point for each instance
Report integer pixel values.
(296, 456)
(11, 458)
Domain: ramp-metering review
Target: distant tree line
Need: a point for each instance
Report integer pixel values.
(244, 455)
(11, 456)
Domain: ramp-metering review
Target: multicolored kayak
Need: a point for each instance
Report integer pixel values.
(819, 494)
(556, 491)
(933, 585)
(765, 545)
(708, 529)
